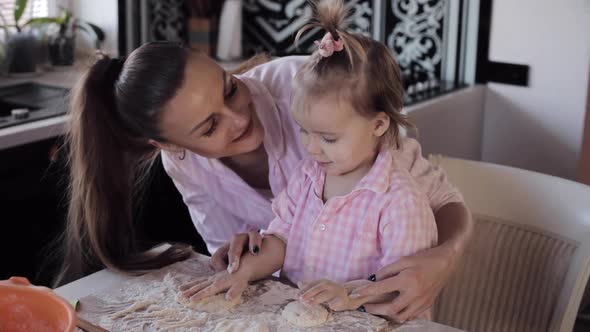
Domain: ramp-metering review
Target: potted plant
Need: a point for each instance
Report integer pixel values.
(20, 45)
(62, 44)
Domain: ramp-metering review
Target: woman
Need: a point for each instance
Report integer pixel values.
(230, 145)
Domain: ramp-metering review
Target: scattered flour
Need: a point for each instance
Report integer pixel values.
(242, 325)
(150, 303)
(137, 306)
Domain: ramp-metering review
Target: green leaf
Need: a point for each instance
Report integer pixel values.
(90, 28)
(67, 16)
(19, 9)
(43, 20)
(100, 35)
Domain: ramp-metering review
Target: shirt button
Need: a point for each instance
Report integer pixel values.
(322, 227)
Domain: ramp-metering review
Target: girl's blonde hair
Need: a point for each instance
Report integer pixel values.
(365, 72)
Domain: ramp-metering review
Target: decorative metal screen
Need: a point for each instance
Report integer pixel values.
(426, 36)
(414, 31)
(423, 34)
(271, 26)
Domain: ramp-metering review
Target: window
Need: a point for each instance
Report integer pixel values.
(35, 8)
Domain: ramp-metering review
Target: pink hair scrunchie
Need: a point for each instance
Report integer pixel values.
(327, 46)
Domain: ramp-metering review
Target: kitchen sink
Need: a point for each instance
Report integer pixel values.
(6, 108)
(42, 101)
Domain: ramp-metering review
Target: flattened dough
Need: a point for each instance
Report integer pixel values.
(300, 314)
(212, 304)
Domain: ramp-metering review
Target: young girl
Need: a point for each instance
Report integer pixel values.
(349, 209)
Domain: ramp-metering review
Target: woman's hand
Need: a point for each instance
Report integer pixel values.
(418, 279)
(325, 291)
(230, 253)
(235, 284)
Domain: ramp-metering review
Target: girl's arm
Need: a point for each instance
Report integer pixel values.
(252, 268)
(267, 262)
(336, 295)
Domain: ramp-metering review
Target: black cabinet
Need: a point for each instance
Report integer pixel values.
(31, 210)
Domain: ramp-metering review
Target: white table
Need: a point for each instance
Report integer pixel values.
(105, 279)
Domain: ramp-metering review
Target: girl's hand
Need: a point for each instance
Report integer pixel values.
(325, 291)
(235, 284)
(418, 280)
(230, 253)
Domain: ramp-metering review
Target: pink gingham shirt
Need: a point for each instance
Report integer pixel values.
(350, 237)
(221, 204)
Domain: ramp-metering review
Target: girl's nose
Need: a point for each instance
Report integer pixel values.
(313, 146)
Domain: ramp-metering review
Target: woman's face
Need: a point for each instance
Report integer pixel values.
(212, 114)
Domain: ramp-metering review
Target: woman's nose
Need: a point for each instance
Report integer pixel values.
(239, 118)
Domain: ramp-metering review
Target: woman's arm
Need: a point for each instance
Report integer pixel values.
(419, 278)
(452, 216)
(455, 228)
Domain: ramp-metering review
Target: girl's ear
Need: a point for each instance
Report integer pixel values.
(166, 146)
(381, 124)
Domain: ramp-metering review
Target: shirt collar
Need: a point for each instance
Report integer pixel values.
(377, 180)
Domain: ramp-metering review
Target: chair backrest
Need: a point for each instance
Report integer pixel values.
(529, 260)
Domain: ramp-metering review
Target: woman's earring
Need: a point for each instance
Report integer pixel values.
(183, 155)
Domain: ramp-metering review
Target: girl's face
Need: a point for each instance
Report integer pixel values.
(337, 137)
(212, 114)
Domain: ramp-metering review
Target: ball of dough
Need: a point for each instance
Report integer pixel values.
(303, 315)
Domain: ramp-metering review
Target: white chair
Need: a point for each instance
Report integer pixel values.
(529, 260)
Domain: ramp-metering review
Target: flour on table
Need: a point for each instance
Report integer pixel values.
(137, 306)
(143, 314)
(242, 325)
(149, 303)
(304, 315)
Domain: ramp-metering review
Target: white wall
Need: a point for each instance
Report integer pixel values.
(103, 13)
(450, 125)
(539, 127)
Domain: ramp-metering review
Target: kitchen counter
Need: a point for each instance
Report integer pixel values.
(51, 127)
(42, 129)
